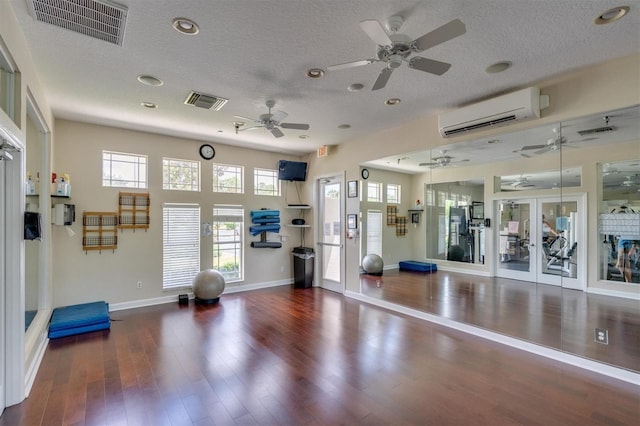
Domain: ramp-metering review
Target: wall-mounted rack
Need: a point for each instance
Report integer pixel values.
(133, 210)
(99, 231)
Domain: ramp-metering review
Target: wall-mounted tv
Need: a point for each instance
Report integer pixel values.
(292, 170)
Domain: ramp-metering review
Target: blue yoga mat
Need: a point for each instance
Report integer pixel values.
(74, 319)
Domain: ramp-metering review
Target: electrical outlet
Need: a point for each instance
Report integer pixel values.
(139, 284)
(602, 336)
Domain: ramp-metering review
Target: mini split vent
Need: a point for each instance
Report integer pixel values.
(597, 130)
(202, 100)
(99, 19)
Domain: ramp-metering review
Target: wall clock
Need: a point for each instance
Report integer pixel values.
(207, 151)
(365, 174)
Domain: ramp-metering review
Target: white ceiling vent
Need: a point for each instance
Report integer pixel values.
(100, 19)
(205, 101)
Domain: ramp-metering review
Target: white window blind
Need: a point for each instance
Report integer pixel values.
(374, 232)
(180, 244)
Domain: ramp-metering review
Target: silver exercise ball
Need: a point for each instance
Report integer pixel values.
(208, 285)
(372, 264)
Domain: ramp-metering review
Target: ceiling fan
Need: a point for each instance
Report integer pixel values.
(631, 181)
(269, 121)
(395, 48)
(520, 182)
(442, 161)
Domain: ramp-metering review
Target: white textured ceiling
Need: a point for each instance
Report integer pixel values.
(251, 51)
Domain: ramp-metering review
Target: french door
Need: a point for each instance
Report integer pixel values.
(330, 253)
(542, 240)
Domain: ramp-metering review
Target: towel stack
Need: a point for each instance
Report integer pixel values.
(265, 221)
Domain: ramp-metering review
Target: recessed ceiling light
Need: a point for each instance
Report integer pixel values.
(612, 15)
(344, 126)
(498, 67)
(392, 101)
(150, 80)
(304, 136)
(185, 26)
(355, 87)
(315, 72)
(149, 105)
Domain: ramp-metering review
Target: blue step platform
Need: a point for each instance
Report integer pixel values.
(76, 319)
(414, 265)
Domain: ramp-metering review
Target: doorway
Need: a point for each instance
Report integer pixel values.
(330, 256)
(539, 240)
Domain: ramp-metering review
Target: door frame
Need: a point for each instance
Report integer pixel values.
(319, 229)
(531, 273)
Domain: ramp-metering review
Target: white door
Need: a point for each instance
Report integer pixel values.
(330, 253)
(2, 286)
(516, 250)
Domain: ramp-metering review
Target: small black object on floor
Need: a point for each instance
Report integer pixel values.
(206, 301)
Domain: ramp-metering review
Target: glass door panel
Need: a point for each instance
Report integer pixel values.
(330, 234)
(516, 256)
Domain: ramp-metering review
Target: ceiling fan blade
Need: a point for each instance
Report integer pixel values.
(296, 126)
(382, 78)
(529, 147)
(279, 116)
(429, 65)
(376, 32)
(351, 64)
(276, 132)
(543, 150)
(427, 164)
(245, 118)
(446, 32)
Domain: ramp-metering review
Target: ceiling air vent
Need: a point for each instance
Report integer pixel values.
(597, 130)
(99, 19)
(202, 100)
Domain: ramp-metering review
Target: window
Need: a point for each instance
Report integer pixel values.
(9, 88)
(227, 178)
(124, 170)
(180, 244)
(265, 182)
(182, 175)
(430, 197)
(374, 192)
(374, 232)
(228, 223)
(393, 193)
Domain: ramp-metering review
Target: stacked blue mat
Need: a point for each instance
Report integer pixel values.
(265, 221)
(414, 265)
(76, 319)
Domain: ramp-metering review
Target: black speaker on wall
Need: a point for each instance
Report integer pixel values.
(32, 226)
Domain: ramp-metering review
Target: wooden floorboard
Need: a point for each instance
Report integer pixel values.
(285, 356)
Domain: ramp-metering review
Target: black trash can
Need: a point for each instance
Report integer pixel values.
(303, 267)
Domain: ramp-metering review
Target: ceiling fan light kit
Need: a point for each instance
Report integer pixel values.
(395, 48)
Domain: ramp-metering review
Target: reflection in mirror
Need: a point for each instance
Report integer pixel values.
(456, 210)
(620, 221)
(552, 179)
(32, 247)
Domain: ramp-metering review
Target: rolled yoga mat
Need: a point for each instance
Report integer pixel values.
(266, 244)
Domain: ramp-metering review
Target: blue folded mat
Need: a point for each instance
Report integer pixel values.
(255, 230)
(260, 220)
(76, 319)
(264, 213)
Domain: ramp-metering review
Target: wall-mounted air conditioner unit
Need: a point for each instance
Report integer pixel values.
(507, 109)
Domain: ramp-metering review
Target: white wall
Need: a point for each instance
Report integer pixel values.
(81, 276)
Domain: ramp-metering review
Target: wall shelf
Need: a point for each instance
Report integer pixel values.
(133, 210)
(99, 231)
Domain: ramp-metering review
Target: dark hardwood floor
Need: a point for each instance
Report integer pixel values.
(547, 315)
(285, 356)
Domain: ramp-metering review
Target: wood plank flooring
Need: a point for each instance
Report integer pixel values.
(559, 318)
(285, 356)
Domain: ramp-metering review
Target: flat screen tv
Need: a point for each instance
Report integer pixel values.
(292, 170)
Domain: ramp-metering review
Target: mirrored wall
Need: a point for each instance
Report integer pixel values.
(522, 230)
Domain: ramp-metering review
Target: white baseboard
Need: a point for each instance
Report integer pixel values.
(173, 298)
(585, 363)
(32, 369)
(614, 293)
